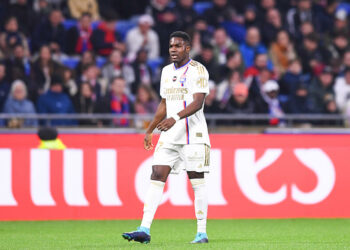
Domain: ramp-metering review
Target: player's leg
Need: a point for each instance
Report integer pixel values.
(153, 197)
(196, 158)
(154, 193)
(165, 156)
(200, 205)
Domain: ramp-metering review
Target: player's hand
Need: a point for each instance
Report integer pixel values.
(166, 124)
(147, 141)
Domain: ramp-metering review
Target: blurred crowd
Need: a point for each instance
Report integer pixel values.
(105, 56)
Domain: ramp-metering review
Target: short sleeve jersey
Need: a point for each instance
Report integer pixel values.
(177, 87)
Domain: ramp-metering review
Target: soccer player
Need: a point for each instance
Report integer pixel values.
(184, 140)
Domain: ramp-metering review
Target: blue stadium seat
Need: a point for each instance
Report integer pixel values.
(155, 63)
(69, 23)
(235, 31)
(100, 61)
(70, 62)
(95, 24)
(201, 7)
(124, 26)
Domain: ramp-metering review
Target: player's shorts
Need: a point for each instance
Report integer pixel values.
(188, 157)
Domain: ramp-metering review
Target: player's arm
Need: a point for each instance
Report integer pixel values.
(193, 107)
(158, 117)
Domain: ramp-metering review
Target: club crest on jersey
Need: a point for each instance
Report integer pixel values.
(182, 80)
(174, 78)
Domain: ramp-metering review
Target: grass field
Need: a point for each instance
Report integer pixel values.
(175, 234)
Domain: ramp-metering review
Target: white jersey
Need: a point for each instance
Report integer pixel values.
(177, 86)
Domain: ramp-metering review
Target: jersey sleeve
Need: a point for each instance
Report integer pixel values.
(162, 79)
(201, 78)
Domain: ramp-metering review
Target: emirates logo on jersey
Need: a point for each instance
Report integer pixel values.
(174, 78)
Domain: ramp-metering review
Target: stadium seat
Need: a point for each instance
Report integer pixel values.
(154, 64)
(70, 62)
(124, 26)
(201, 7)
(235, 31)
(69, 23)
(100, 61)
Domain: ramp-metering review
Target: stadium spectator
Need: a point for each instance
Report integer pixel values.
(116, 102)
(233, 62)
(250, 16)
(42, 9)
(304, 12)
(220, 12)
(282, 52)
(292, 78)
(87, 58)
(271, 25)
(342, 92)
(201, 34)
(185, 14)
(239, 103)
(272, 105)
(79, 36)
(264, 7)
(69, 85)
(251, 46)
(222, 45)
(255, 85)
(165, 22)
(17, 103)
(4, 85)
(43, 68)
(84, 103)
(146, 102)
(50, 32)
(299, 100)
(55, 101)
(142, 73)
(206, 57)
(211, 104)
(91, 74)
(105, 37)
(224, 89)
(117, 68)
(78, 8)
(25, 15)
(314, 55)
(11, 37)
(18, 65)
(142, 37)
(322, 93)
(126, 9)
(261, 61)
(337, 47)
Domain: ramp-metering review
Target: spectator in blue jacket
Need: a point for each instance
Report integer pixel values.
(17, 103)
(55, 101)
(252, 46)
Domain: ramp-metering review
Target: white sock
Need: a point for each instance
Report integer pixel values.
(200, 203)
(153, 198)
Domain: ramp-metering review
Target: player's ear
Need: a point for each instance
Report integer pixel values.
(188, 48)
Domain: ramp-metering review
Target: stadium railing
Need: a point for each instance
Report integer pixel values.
(138, 120)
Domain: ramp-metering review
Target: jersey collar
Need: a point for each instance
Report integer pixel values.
(182, 65)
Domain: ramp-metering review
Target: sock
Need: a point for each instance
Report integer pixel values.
(153, 198)
(200, 203)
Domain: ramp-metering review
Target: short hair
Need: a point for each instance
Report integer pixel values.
(183, 35)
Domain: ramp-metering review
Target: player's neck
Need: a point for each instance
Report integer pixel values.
(182, 63)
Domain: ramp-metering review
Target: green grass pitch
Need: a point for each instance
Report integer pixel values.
(176, 234)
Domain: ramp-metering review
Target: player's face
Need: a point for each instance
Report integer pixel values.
(178, 49)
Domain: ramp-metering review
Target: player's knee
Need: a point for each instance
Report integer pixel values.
(195, 175)
(158, 176)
